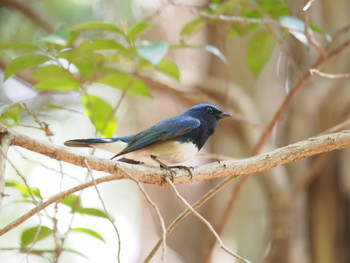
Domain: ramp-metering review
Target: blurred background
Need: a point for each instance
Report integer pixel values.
(174, 55)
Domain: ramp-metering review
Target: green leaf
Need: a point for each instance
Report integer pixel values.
(123, 81)
(274, 8)
(296, 27)
(59, 37)
(72, 201)
(20, 46)
(4, 108)
(86, 62)
(115, 79)
(89, 232)
(99, 111)
(99, 26)
(138, 87)
(24, 62)
(153, 52)
(34, 234)
(137, 30)
(192, 27)
(10, 114)
(55, 78)
(24, 189)
(169, 68)
(92, 212)
(259, 50)
(317, 29)
(100, 44)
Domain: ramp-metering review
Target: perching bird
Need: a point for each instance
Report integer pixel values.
(170, 141)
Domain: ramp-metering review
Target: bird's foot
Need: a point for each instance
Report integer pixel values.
(184, 167)
(170, 168)
(164, 166)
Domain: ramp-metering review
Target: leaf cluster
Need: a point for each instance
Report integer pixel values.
(30, 236)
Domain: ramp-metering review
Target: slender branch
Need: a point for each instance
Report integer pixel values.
(229, 18)
(329, 76)
(206, 222)
(156, 208)
(186, 212)
(150, 175)
(308, 5)
(232, 168)
(109, 216)
(310, 37)
(56, 198)
(295, 91)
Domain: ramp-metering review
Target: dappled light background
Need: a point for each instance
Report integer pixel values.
(295, 213)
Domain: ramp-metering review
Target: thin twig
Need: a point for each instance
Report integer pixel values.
(156, 208)
(206, 222)
(329, 76)
(308, 5)
(186, 212)
(50, 168)
(310, 37)
(45, 127)
(295, 91)
(32, 196)
(56, 198)
(259, 163)
(109, 216)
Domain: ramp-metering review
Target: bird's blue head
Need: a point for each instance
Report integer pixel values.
(208, 115)
(206, 112)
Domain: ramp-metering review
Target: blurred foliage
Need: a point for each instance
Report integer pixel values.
(32, 235)
(75, 57)
(83, 53)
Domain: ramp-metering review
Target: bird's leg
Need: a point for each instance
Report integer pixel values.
(188, 169)
(169, 168)
(164, 166)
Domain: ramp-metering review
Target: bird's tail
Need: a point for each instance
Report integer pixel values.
(87, 142)
(78, 143)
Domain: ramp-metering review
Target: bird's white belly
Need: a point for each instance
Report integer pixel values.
(168, 152)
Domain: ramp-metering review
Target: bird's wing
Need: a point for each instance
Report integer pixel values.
(163, 131)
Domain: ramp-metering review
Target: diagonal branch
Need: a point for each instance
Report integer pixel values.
(258, 163)
(231, 169)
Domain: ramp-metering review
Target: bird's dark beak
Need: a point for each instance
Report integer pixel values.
(224, 114)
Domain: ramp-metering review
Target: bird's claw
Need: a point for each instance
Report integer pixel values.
(184, 167)
(170, 168)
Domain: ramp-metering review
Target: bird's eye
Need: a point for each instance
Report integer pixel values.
(209, 110)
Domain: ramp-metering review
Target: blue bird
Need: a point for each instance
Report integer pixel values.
(170, 141)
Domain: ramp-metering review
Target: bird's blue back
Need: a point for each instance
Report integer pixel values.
(192, 128)
(195, 125)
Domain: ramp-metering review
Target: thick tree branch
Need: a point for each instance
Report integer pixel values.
(259, 163)
(233, 168)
